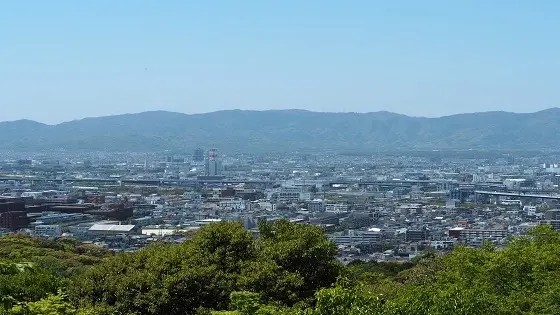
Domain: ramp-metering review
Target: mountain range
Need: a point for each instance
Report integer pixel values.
(287, 130)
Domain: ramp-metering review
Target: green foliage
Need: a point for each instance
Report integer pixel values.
(246, 302)
(285, 266)
(25, 283)
(51, 305)
(249, 303)
(293, 261)
(64, 257)
(290, 269)
(350, 299)
(373, 271)
(33, 270)
(293, 130)
(523, 278)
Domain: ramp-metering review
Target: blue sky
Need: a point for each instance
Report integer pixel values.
(63, 60)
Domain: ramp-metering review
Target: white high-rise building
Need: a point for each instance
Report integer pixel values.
(213, 164)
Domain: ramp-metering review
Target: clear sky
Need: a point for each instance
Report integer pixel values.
(62, 60)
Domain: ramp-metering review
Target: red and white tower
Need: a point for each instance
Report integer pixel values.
(213, 164)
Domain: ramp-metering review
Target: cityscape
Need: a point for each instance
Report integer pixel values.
(373, 207)
(279, 157)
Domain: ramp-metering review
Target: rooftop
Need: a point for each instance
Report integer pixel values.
(112, 227)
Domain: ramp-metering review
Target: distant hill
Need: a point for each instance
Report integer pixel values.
(287, 130)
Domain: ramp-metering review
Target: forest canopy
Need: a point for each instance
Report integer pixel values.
(289, 269)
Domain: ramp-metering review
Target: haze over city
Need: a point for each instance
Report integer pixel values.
(66, 60)
(279, 157)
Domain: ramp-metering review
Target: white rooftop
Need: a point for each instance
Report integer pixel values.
(112, 227)
(458, 228)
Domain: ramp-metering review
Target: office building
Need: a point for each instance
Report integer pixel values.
(316, 205)
(213, 164)
(14, 220)
(12, 213)
(8, 204)
(48, 230)
(417, 235)
(468, 235)
(355, 238)
(198, 155)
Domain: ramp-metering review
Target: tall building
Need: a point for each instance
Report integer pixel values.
(198, 155)
(14, 220)
(12, 213)
(213, 164)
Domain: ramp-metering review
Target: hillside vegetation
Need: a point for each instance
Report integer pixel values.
(290, 269)
(287, 130)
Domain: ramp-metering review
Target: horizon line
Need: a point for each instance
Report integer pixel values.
(273, 110)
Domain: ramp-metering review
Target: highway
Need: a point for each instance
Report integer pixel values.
(189, 182)
(174, 182)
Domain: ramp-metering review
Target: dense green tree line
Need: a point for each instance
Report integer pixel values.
(34, 271)
(522, 278)
(285, 265)
(289, 269)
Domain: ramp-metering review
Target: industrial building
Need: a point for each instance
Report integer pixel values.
(113, 229)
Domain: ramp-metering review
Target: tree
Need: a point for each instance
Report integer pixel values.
(170, 279)
(51, 305)
(285, 266)
(249, 303)
(294, 261)
(348, 299)
(25, 282)
(290, 269)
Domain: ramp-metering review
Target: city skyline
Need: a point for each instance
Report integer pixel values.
(67, 60)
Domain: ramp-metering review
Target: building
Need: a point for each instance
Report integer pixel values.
(171, 160)
(113, 229)
(321, 218)
(8, 204)
(355, 238)
(290, 194)
(213, 164)
(359, 219)
(417, 235)
(12, 213)
(198, 155)
(265, 206)
(118, 211)
(54, 218)
(469, 235)
(236, 204)
(336, 207)
(14, 220)
(316, 205)
(48, 230)
(530, 210)
(552, 168)
(456, 232)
